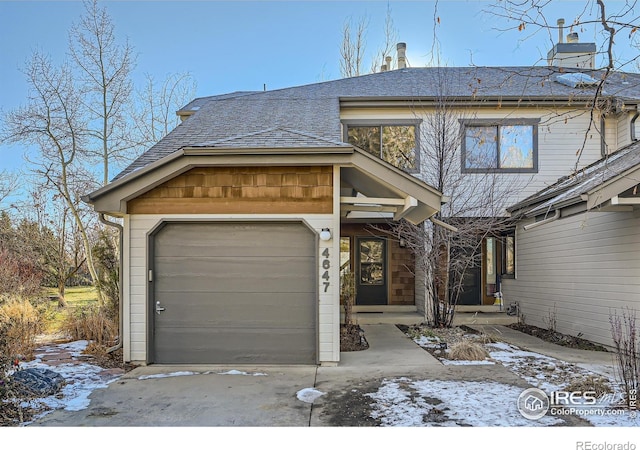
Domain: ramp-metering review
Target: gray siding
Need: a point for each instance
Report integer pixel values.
(580, 269)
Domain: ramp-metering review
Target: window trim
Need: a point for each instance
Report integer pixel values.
(464, 123)
(346, 123)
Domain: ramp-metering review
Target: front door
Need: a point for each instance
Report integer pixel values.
(371, 271)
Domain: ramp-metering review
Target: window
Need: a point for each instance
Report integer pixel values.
(508, 146)
(509, 256)
(396, 143)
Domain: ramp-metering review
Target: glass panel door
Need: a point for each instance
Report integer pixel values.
(371, 271)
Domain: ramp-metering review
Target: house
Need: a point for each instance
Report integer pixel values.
(236, 224)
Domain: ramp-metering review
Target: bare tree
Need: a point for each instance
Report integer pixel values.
(104, 75)
(21, 268)
(352, 49)
(384, 56)
(54, 120)
(8, 185)
(57, 239)
(614, 23)
(531, 17)
(447, 248)
(155, 113)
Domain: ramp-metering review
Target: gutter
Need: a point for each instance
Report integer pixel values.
(120, 228)
(555, 216)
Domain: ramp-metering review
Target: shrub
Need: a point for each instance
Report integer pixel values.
(626, 339)
(19, 274)
(105, 254)
(90, 323)
(11, 410)
(599, 385)
(468, 351)
(23, 322)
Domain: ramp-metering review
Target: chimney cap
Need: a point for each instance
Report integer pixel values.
(561, 21)
(572, 37)
(401, 45)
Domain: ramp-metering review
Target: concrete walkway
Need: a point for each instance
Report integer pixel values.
(599, 362)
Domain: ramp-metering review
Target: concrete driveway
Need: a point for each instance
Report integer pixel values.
(266, 395)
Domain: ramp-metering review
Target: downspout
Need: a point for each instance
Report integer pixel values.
(603, 139)
(120, 288)
(555, 216)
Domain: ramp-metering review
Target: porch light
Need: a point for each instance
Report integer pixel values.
(325, 234)
(402, 243)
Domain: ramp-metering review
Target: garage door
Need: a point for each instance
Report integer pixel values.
(234, 293)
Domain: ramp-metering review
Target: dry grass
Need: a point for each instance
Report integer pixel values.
(23, 323)
(467, 350)
(599, 385)
(92, 324)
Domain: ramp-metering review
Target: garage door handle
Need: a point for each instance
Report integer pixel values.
(159, 308)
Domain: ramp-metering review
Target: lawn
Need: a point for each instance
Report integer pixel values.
(76, 297)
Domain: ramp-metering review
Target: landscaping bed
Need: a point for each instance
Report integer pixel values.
(352, 338)
(557, 338)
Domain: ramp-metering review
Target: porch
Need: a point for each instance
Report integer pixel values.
(409, 315)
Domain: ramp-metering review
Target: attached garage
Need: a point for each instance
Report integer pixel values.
(233, 293)
(231, 255)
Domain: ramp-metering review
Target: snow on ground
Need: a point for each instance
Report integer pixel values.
(309, 395)
(81, 378)
(459, 403)
(238, 372)
(409, 403)
(167, 375)
(187, 373)
(398, 402)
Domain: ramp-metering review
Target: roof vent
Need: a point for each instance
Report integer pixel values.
(402, 56)
(560, 30)
(577, 79)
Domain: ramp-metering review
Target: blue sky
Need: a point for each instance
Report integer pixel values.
(243, 45)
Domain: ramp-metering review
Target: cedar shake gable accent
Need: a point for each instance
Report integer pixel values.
(241, 190)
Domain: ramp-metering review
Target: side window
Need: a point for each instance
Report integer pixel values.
(509, 146)
(396, 143)
(509, 256)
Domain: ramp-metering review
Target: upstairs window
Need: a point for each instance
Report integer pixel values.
(508, 146)
(396, 142)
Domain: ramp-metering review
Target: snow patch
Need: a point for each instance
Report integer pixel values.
(450, 403)
(167, 375)
(309, 395)
(238, 372)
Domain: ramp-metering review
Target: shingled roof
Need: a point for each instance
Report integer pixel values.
(312, 112)
(571, 189)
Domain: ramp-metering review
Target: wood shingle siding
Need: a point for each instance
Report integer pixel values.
(241, 190)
